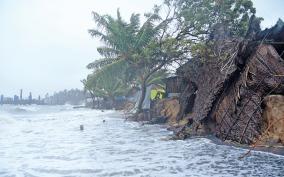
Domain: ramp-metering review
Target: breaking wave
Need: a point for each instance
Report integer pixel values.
(46, 141)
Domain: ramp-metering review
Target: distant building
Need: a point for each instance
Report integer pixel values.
(16, 99)
(21, 94)
(8, 100)
(30, 98)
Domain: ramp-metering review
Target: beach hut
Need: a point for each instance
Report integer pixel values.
(174, 85)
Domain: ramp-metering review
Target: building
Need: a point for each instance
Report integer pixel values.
(175, 85)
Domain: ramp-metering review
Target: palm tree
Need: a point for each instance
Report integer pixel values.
(111, 80)
(128, 42)
(90, 86)
(108, 81)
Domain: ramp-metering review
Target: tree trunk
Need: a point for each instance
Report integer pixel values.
(93, 100)
(112, 102)
(144, 86)
(142, 97)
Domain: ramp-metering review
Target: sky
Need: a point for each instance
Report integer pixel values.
(45, 45)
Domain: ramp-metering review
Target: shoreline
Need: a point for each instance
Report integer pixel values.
(279, 150)
(273, 150)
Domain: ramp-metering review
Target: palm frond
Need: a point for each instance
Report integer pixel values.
(134, 22)
(107, 52)
(97, 64)
(157, 77)
(100, 20)
(103, 37)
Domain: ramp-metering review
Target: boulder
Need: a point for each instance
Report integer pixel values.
(168, 108)
(274, 118)
(158, 120)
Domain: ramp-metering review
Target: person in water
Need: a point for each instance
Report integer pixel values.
(81, 127)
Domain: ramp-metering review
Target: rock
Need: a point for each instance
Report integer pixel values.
(144, 116)
(180, 133)
(159, 120)
(274, 117)
(169, 108)
(79, 107)
(140, 117)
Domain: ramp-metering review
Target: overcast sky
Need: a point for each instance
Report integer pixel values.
(45, 46)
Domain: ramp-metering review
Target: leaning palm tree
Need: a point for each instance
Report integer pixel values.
(90, 87)
(127, 42)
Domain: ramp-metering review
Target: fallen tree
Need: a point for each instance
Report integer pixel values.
(230, 92)
(238, 114)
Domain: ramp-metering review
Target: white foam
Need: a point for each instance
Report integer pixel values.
(47, 142)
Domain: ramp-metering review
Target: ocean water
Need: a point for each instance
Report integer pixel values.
(46, 141)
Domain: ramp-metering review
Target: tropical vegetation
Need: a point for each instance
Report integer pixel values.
(135, 53)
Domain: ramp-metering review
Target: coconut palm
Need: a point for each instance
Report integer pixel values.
(108, 81)
(128, 42)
